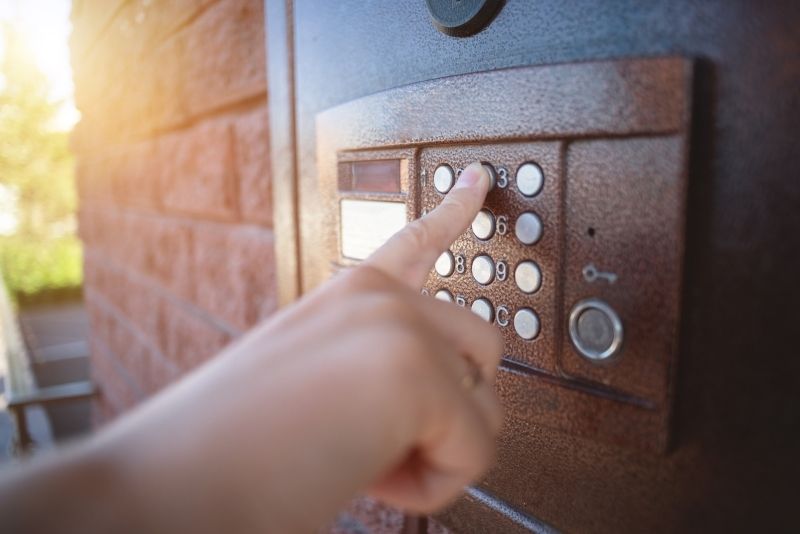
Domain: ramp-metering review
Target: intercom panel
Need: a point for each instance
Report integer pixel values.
(576, 255)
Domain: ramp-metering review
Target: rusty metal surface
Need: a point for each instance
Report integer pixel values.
(732, 465)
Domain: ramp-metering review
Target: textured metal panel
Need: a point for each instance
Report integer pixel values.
(732, 465)
(638, 188)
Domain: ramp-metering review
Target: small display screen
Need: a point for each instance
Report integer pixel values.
(381, 176)
(368, 224)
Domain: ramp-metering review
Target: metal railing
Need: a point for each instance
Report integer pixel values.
(21, 389)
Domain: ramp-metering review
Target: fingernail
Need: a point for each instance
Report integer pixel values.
(472, 176)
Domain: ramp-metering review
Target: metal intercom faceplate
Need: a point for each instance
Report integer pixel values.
(577, 254)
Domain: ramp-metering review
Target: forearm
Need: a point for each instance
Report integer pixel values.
(313, 429)
(75, 490)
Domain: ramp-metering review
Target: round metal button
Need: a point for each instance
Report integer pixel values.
(530, 179)
(526, 323)
(445, 264)
(483, 309)
(528, 277)
(492, 175)
(483, 269)
(444, 295)
(483, 225)
(443, 178)
(595, 329)
(528, 228)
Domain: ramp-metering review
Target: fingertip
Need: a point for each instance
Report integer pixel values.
(474, 176)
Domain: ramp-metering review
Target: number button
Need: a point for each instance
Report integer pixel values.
(443, 178)
(528, 277)
(483, 309)
(528, 228)
(483, 225)
(483, 269)
(530, 179)
(445, 264)
(444, 295)
(526, 323)
(492, 175)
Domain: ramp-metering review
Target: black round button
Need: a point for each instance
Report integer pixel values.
(461, 18)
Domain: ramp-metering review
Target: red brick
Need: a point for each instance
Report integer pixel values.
(148, 344)
(236, 265)
(166, 253)
(158, 89)
(89, 18)
(252, 164)
(134, 173)
(139, 304)
(118, 389)
(225, 56)
(198, 173)
(158, 65)
(144, 364)
(189, 339)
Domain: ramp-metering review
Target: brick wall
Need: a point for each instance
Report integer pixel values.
(173, 173)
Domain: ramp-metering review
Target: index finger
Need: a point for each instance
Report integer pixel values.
(410, 254)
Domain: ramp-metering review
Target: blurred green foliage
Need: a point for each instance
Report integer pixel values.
(32, 265)
(37, 168)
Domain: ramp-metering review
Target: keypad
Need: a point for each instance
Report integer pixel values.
(500, 244)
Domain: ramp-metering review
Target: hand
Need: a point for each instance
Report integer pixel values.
(363, 385)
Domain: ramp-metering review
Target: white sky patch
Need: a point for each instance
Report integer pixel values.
(9, 200)
(47, 26)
